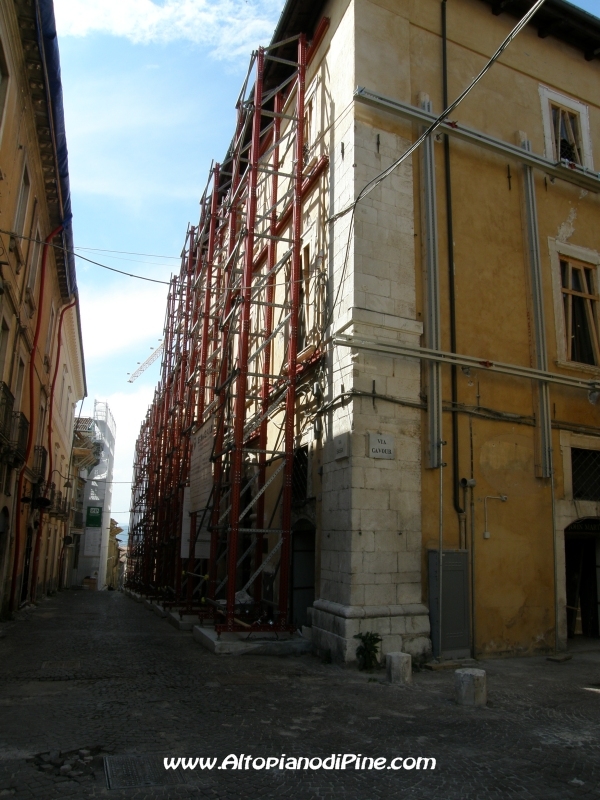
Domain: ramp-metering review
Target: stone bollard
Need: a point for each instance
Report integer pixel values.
(470, 687)
(399, 667)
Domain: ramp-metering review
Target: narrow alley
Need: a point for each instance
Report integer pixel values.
(97, 676)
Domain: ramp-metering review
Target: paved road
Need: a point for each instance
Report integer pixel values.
(131, 685)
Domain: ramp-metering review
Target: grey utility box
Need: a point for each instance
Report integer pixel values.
(456, 633)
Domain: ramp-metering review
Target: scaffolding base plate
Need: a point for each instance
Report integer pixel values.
(134, 595)
(259, 644)
(183, 623)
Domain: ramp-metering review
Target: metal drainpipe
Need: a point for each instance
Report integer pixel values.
(441, 551)
(36, 552)
(38, 325)
(451, 285)
(555, 554)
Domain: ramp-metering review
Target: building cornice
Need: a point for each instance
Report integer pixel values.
(48, 115)
(559, 19)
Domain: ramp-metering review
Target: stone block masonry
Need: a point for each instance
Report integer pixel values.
(371, 501)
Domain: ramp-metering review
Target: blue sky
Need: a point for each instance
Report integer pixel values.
(149, 92)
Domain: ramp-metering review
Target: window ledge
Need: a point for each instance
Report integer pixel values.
(575, 365)
(30, 301)
(15, 247)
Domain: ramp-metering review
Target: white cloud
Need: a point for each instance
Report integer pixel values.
(115, 321)
(229, 27)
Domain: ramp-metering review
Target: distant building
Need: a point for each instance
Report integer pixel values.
(114, 565)
(42, 373)
(92, 538)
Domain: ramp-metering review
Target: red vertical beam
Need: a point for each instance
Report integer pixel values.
(210, 257)
(241, 383)
(290, 400)
(183, 436)
(218, 291)
(220, 376)
(266, 385)
(163, 431)
(17, 552)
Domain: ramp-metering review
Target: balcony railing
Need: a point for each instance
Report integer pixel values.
(55, 509)
(64, 509)
(18, 438)
(78, 520)
(40, 459)
(7, 402)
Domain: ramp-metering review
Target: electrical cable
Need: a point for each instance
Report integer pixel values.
(126, 252)
(84, 258)
(438, 122)
(368, 188)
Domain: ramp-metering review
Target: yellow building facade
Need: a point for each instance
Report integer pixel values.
(41, 355)
(462, 382)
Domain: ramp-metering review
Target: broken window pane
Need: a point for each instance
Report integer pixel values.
(567, 135)
(581, 346)
(581, 313)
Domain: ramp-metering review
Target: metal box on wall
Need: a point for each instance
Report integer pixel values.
(456, 633)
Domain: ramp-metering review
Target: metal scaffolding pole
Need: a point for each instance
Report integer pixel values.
(230, 367)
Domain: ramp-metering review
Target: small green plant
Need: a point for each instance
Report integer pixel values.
(366, 652)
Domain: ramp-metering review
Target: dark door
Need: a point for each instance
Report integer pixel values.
(456, 634)
(26, 565)
(581, 581)
(303, 575)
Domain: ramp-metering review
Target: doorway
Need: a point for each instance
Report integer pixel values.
(27, 564)
(4, 544)
(303, 572)
(582, 567)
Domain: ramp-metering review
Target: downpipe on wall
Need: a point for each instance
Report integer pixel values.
(36, 555)
(451, 291)
(36, 337)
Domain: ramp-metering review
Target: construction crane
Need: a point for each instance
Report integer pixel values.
(150, 360)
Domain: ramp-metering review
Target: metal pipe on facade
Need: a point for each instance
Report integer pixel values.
(441, 551)
(242, 377)
(268, 329)
(36, 553)
(555, 554)
(451, 277)
(290, 400)
(36, 337)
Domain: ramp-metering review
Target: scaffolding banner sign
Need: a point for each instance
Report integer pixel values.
(201, 468)
(92, 541)
(202, 549)
(93, 517)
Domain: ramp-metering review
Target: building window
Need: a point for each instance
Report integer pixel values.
(304, 301)
(566, 135)
(3, 81)
(580, 302)
(4, 334)
(36, 253)
(48, 350)
(22, 202)
(300, 476)
(566, 128)
(19, 382)
(585, 465)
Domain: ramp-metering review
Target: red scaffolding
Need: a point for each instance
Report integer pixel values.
(213, 477)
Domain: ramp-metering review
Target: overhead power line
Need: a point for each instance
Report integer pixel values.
(378, 179)
(84, 258)
(126, 252)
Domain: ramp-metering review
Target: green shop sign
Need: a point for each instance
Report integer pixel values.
(94, 517)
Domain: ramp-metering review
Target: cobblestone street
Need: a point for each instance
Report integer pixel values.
(99, 672)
